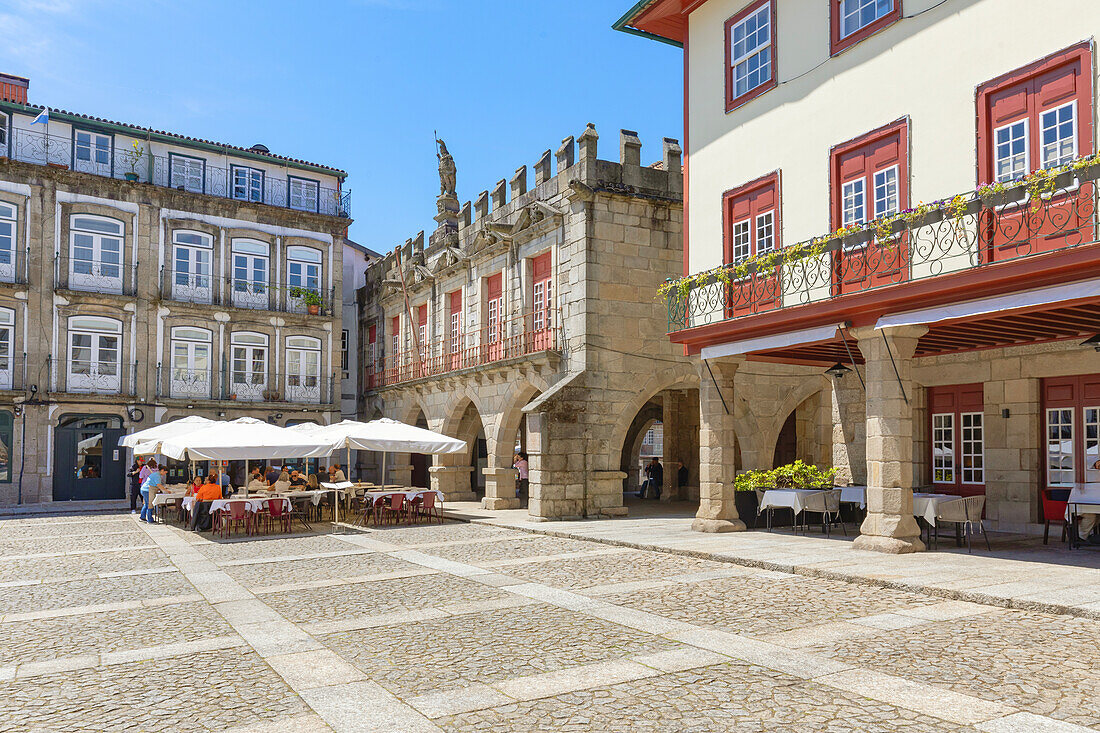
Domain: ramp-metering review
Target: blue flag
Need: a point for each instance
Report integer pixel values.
(43, 117)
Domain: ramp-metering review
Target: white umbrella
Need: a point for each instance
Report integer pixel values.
(171, 429)
(243, 439)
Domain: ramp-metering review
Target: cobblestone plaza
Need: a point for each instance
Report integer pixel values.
(109, 625)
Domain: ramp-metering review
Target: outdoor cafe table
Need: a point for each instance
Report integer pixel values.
(167, 496)
(1083, 499)
(793, 499)
(924, 505)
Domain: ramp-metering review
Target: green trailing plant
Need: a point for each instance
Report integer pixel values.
(137, 150)
(307, 296)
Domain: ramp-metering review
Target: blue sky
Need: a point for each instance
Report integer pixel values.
(359, 84)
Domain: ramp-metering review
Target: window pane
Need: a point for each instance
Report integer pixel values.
(765, 232)
(741, 243)
(886, 192)
(1060, 459)
(1059, 139)
(750, 51)
(857, 14)
(854, 210)
(1011, 151)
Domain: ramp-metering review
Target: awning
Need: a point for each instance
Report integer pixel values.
(1012, 301)
(777, 341)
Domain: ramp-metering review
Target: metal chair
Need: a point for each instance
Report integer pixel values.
(827, 504)
(966, 511)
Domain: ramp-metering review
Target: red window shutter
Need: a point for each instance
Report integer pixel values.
(746, 203)
(455, 301)
(863, 157)
(1025, 93)
(494, 286)
(422, 315)
(395, 326)
(372, 334)
(540, 267)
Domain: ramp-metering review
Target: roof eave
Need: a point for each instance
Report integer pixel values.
(623, 24)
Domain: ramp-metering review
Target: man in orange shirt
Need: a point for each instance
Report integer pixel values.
(207, 493)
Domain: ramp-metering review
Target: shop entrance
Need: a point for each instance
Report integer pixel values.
(88, 464)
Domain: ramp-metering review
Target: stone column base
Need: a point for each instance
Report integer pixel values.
(717, 525)
(453, 482)
(500, 502)
(889, 545)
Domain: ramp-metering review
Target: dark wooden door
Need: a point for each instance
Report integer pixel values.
(786, 447)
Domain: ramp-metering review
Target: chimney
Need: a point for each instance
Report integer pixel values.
(13, 88)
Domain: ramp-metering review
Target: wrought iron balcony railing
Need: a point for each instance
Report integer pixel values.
(78, 376)
(13, 370)
(35, 146)
(185, 383)
(95, 276)
(512, 338)
(189, 287)
(1045, 212)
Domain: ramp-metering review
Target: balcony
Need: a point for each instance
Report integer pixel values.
(205, 384)
(1047, 212)
(13, 372)
(512, 339)
(35, 146)
(187, 287)
(92, 377)
(91, 276)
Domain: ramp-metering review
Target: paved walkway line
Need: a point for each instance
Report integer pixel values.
(98, 608)
(337, 691)
(1043, 586)
(897, 691)
(89, 661)
(97, 576)
(75, 553)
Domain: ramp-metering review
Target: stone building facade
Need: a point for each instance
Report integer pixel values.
(528, 319)
(127, 303)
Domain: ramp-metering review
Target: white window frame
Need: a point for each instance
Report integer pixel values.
(743, 60)
(304, 268)
(193, 286)
(97, 149)
(250, 290)
(303, 369)
(186, 176)
(5, 132)
(345, 342)
(9, 239)
(104, 377)
(250, 349)
(741, 240)
(848, 205)
(1060, 443)
(7, 348)
(1026, 155)
(190, 380)
(943, 434)
(1072, 106)
(298, 191)
(101, 276)
(765, 231)
(969, 435)
(846, 11)
(493, 318)
(1090, 423)
(885, 209)
(251, 188)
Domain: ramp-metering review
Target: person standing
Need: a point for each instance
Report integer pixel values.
(134, 475)
(519, 462)
(149, 489)
(654, 477)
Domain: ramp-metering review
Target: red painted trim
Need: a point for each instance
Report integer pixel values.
(898, 127)
(765, 181)
(839, 45)
(1081, 52)
(865, 308)
(732, 102)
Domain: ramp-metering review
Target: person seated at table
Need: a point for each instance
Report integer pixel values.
(207, 493)
(297, 480)
(312, 481)
(223, 481)
(196, 484)
(284, 474)
(272, 474)
(335, 475)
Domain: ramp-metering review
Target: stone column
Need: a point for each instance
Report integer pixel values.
(717, 446)
(671, 414)
(849, 417)
(401, 471)
(889, 526)
(449, 476)
(500, 489)
(605, 494)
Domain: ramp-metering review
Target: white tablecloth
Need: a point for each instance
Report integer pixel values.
(787, 498)
(165, 497)
(252, 504)
(924, 505)
(314, 495)
(1083, 499)
(409, 493)
(854, 495)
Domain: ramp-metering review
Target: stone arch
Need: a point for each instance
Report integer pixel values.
(769, 427)
(680, 375)
(510, 418)
(457, 474)
(646, 417)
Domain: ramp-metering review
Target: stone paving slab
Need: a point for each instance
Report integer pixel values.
(261, 575)
(80, 566)
(92, 591)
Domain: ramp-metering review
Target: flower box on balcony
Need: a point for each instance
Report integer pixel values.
(59, 166)
(1065, 180)
(993, 199)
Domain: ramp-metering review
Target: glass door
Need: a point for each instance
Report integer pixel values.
(957, 438)
(250, 280)
(303, 370)
(190, 375)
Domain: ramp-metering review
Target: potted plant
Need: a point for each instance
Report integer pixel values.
(311, 298)
(745, 486)
(133, 158)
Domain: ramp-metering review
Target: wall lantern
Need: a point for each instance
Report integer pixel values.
(1093, 342)
(837, 370)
